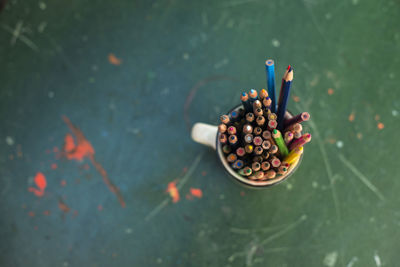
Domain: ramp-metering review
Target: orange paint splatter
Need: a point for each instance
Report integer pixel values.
(196, 192)
(380, 126)
(46, 212)
(41, 183)
(114, 60)
(173, 191)
(83, 149)
(296, 98)
(31, 214)
(377, 117)
(351, 117)
(330, 91)
(100, 207)
(331, 140)
(63, 183)
(63, 207)
(54, 166)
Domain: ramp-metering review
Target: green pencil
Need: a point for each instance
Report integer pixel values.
(276, 134)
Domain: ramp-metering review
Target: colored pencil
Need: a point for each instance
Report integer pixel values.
(273, 149)
(253, 96)
(257, 159)
(288, 137)
(270, 71)
(263, 94)
(266, 144)
(225, 119)
(265, 165)
(247, 129)
(275, 162)
(296, 135)
(259, 175)
(258, 112)
(231, 130)
(256, 166)
(249, 149)
(250, 117)
(265, 154)
(246, 102)
(223, 139)
(267, 102)
(272, 125)
(248, 138)
(246, 171)
(282, 170)
(257, 130)
(233, 140)
(270, 174)
(301, 141)
(260, 120)
(222, 128)
(284, 96)
(258, 150)
(234, 115)
(276, 134)
(295, 127)
(226, 149)
(257, 104)
(266, 135)
(240, 152)
(231, 158)
(238, 164)
(272, 116)
(304, 116)
(257, 141)
(293, 155)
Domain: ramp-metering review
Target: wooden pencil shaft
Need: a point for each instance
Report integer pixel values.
(304, 116)
(257, 131)
(270, 71)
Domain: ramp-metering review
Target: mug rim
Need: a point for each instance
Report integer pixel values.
(254, 184)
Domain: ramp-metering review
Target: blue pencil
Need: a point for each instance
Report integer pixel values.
(270, 70)
(284, 96)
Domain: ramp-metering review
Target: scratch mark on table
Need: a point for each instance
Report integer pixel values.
(192, 94)
(326, 161)
(362, 177)
(245, 231)
(16, 35)
(315, 22)
(181, 183)
(284, 231)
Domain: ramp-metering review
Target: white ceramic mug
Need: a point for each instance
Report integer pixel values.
(207, 134)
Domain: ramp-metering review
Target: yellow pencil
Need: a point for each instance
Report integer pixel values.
(293, 155)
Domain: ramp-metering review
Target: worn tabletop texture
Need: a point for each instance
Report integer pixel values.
(97, 99)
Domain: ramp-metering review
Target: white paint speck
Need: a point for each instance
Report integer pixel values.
(377, 260)
(289, 186)
(128, 231)
(395, 113)
(352, 261)
(314, 184)
(275, 43)
(9, 140)
(185, 56)
(328, 16)
(50, 94)
(339, 144)
(42, 5)
(42, 26)
(330, 259)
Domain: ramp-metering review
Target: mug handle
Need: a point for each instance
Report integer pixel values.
(205, 134)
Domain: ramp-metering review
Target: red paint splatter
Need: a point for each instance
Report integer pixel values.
(63, 183)
(173, 191)
(31, 214)
(330, 91)
(380, 125)
(114, 60)
(63, 207)
(54, 166)
(46, 212)
(41, 183)
(196, 192)
(83, 149)
(352, 117)
(100, 207)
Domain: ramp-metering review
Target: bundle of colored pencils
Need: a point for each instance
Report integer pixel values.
(259, 139)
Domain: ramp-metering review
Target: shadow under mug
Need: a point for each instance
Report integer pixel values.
(208, 135)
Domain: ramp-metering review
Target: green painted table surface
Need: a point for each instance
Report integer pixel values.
(133, 77)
